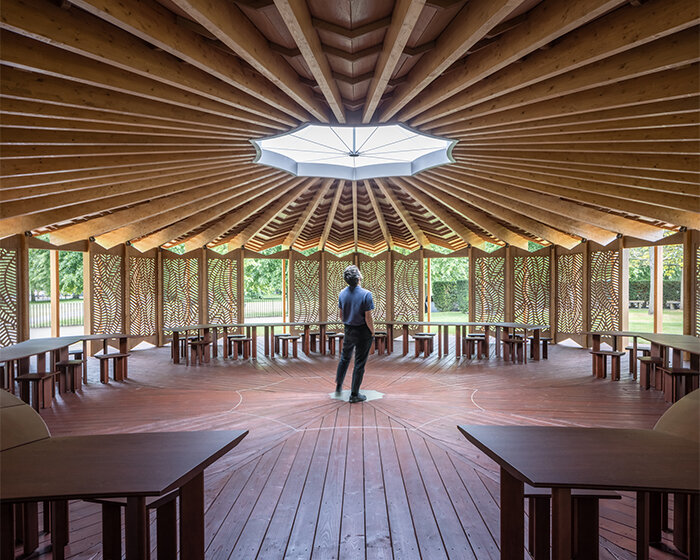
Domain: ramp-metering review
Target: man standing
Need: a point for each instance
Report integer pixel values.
(356, 305)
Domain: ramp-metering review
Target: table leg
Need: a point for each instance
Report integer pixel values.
(322, 339)
(694, 525)
(677, 358)
(497, 342)
(561, 523)
(59, 528)
(254, 342)
(642, 525)
(596, 341)
(224, 349)
(192, 519)
(633, 364)
(136, 528)
(459, 331)
(535, 344)
(405, 339)
(175, 347)
(206, 336)
(7, 531)
(512, 516)
(446, 340)
(215, 343)
(586, 528)
(439, 339)
(306, 348)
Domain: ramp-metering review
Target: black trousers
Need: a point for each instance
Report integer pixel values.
(359, 339)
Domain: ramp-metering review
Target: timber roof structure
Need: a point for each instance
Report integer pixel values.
(131, 120)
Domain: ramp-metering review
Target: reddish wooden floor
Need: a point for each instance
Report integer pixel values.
(391, 478)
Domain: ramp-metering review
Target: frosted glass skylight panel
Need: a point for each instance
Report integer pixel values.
(347, 152)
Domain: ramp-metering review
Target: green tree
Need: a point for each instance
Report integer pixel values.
(70, 272)
(39, 272)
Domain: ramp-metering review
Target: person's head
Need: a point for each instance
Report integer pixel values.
(352, 276)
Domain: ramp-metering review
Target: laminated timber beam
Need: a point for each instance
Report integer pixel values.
(297, 18)
(229, 221)
(154, 212)
(380, 216)
(562, 208)
(403, 21)
(661, 86)
(61, 97)
(471, 24)
(355, 225)
(225, 21)
(435, 207)
(84, 34)
(674, 51)
(621, 30)
(303, 220)
(413, 228)
(331, 215)
(26, 54)
(509, 215)
(547, 21)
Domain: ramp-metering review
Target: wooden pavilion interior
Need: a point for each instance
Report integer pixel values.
(126, 135)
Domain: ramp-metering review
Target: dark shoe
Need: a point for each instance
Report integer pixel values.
(357, 398)
(338, 390)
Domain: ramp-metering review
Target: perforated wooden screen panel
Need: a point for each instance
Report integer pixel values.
(489, 289)
(142, 296)
(570, 312)
(604, 301)
(374, 279)
(107, 289)
(222, 293)
(307, 289)
(180, 291)
(531, 289)
(9, 297)
(406, 288)
(334, 285)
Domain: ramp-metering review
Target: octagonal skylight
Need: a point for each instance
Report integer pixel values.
(353, 152)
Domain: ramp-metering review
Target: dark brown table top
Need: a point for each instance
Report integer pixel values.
(113, 465)
(595, 458)
(684, 342)
(36, 346)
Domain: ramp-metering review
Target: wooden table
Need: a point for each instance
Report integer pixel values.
(588, 458)
(525, 327)
(134, 466)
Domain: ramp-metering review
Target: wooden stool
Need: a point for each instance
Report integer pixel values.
(230, 341)
(545, 340)
(645, 349)
(184, 341)
(379, 342)
(69, 375)
(514, 349)
(423, 342)
(584, 521)
(472, 343)
(294, 339)
(313, 336)
(241, 346)
(647, 369)
(677, 382)
(37, 388)
(118, 366)
(332, 338)
(600, 363)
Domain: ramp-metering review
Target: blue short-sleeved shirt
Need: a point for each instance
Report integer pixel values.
(354, 302)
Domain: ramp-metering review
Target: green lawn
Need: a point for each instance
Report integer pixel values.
(640, 320)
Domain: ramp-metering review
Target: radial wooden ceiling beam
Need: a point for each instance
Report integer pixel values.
(297, 18)
(294, 189)
(413, 228)
(27, 54)
(355, 226)
(330, 218)
(127, 224)
(547, 21)
(403, 20)
(563, 208)
(621, 30)
(306, 214)
(670, 52)
(436, 208)
(231, 26)
(380, 216)
(470, 25)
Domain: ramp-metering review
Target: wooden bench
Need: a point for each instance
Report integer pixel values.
(379, 343)
(69, 375)
(240, 345)
(514, 349)
(37, 389)
(199, 351)
(118, 368)
(645, 349)
(600, 363)
(475, 342)
(677, 382)
(332, 339)
(423, 342)
(647, 370)
(584, 521)
(283, 341)
(544, 340)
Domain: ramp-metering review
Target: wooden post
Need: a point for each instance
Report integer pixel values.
(586, 292)
(390, 295)
(240, 288)
(657, 284)
(471, 287)
(55, 294)
(429, 288)
(284, 296)
(624, 291)
(508, 291)
(293, 256)
(553, 293)
(689, 297)
(421, 285)
(203, 286)
(126, 290)
(23, 288)
(323, 288)
(160, 334)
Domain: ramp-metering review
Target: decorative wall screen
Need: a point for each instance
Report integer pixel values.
(531, 285)
(222, 289)
(407, 281)
(180, 291)
(107, 289)
(489, 289)
(604, 300)
(570, 293)
(142, 296)
(334, 284)
(374, 279)
(307, 289)
(9, 297)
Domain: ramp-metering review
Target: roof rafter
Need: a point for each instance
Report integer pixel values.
(380, 216)
(303, 220)
(331, 214)
(404, 214)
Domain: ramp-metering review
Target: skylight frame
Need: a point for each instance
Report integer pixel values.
(439, 155)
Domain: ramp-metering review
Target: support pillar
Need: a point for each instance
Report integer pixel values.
(55, 294)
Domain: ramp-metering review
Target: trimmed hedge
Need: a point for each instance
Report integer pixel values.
(451, 295)
(639, 290)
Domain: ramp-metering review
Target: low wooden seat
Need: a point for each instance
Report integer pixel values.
(600, 363)
(677, 382)
(379, 342)
(240, 345)
(313, 337)
(584, 521)
(645, 349)
(647, 370)
(36, 389)
(544, 341)
(294, 339)
(69, 375)
(514, 349)
(332, 338)
(475, 343)
(118, 368)
(423, 342)
(199, 351)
